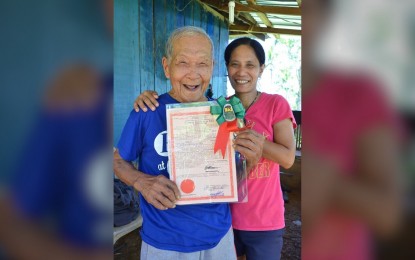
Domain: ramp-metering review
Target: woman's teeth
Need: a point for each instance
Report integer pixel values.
(241, 81)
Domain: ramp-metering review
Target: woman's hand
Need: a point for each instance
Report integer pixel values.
(146, 99)
(250, 144)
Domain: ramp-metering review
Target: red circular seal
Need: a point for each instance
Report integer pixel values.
(187, 186)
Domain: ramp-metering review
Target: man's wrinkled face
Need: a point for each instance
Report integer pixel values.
(190, 68)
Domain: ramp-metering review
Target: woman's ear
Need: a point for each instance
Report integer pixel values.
(261, 69)
(165, 64)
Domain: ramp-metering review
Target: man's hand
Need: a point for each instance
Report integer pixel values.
(250, 144)
(159, 191)
(146, 99)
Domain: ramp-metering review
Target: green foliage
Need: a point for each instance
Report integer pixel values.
(283, 69)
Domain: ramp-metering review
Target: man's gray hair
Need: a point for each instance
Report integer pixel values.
(185, 31)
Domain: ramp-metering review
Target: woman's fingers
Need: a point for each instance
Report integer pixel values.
(249, 139)
(147, 99)
(250, 144)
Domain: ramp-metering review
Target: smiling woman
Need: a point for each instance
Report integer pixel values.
(244, 69)
(282, 71)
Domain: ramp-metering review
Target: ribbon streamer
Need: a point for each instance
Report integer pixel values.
(229, 112)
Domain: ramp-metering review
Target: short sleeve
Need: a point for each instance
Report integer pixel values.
(282, 110)
(130, 142)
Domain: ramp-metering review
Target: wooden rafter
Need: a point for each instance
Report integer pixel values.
(210, 6)
(246, 24)
(260, 36)
(249, 18)
(240, 18)
(264, 9)
(211, 10)
(254, 23)
(249, 29)
(263, 17)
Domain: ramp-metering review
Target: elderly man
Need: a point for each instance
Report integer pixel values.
(170, 231)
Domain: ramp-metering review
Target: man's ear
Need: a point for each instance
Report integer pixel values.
(165, 63)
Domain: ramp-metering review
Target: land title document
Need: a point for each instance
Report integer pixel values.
(201, 175)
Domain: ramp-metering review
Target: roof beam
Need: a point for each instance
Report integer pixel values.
(262, 16)
(263, 9)
(239, 34)
(242, 17)
(252, 22)
(248, 17)
(255, 29)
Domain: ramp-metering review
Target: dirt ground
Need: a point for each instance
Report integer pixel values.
(291, 249)
(128, 247)
(291, 179)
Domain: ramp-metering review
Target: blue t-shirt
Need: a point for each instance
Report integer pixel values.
(186, 228)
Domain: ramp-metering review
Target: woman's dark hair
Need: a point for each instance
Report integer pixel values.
(256, 46)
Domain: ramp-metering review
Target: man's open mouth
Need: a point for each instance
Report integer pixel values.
(191, 87)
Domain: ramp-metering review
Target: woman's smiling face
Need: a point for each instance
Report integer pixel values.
(244, 69)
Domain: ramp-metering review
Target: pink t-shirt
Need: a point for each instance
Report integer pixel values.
(265, 207)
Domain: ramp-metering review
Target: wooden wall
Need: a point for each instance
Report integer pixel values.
(141, 29)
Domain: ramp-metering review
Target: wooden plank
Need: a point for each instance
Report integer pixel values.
(245, 18)
(188, 12)
(160, 36)
(146, 46)
(126, 61)
(242, 17)
(197, 14)
(264, 19)
(216, 84)
(203, 19)
(263, 9)
(267, 22)
(261, 16)
(249, 17)
(211, 10)
(223, 43)
(179, 14)
(171, 19)
(260, 36)
(249, 29)
(209, 31)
